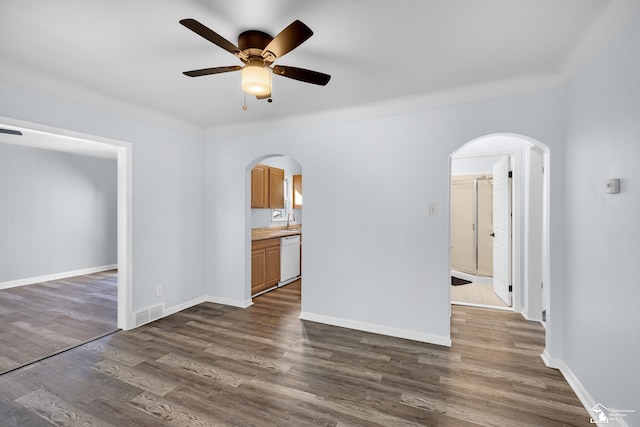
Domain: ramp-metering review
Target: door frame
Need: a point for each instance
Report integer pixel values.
(523, 290)
(248, 221)
(52, 138)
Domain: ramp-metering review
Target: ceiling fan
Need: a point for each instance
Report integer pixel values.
(258, 50)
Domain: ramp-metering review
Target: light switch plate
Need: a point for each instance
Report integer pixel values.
(433, 209)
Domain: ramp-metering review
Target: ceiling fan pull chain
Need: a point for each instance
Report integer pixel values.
(244, 107)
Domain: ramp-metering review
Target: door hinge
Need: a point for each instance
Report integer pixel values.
(510, 174)
(541, 285)
(510, 288)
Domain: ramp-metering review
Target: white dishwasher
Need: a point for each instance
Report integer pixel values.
(289, 259)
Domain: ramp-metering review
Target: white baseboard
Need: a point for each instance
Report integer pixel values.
(551, 362)
(207, 298)
(377, 329)
(576, 385)
(532, 319)
(56, 276)
(482, 280)
(188, 304)
(228, 301)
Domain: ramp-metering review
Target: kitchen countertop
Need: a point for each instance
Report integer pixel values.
(274, 232)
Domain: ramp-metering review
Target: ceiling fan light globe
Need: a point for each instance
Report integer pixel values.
(256, 80)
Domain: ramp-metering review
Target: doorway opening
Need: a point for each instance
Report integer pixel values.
(274, 214)
(508, 257)
(40, 136)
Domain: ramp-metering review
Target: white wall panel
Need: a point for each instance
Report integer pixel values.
(602, 233)
(372, 254)
(58, 211)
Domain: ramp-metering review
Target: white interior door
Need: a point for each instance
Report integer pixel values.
(502, 230)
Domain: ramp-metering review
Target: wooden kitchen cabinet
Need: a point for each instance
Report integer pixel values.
(276, 188)
(296, 197)
(265, 264)
(267, 187)
(260, 186)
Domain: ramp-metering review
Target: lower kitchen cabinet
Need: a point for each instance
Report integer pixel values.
(265, 264)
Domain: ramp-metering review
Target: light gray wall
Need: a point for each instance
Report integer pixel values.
(602, 234)
(473, 165)
(168, 192)
(372, 254)
(57, 212)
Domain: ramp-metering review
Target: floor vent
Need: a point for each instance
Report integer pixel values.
(149, 315)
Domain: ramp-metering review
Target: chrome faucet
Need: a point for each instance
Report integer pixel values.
(290, 214)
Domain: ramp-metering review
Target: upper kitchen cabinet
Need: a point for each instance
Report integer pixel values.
(267, 187)
(260, 186)
(297, 192)
(276, 188)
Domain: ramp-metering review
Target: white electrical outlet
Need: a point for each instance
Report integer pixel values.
(159, 290)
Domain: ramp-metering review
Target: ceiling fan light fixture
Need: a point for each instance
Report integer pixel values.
(256, 80)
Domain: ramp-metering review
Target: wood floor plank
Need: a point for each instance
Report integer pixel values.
(41, 319)
(59, 412)
(263, 366)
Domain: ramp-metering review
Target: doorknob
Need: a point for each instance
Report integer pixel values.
(492, 234)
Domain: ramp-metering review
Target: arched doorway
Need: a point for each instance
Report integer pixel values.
(281, 223)
(529, 210)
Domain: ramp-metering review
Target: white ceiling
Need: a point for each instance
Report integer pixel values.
(128, 56)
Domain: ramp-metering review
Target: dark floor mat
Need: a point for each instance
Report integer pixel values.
(455, 281)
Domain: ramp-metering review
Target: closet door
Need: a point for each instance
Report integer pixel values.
(485, 227)
(462, 225)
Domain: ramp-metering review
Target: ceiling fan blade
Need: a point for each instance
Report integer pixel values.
(210, 35)
(307, 76)
(287, 40)
(215, 70)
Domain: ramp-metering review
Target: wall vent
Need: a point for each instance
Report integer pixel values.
(149, 314)
(156, 312)
(142, 317)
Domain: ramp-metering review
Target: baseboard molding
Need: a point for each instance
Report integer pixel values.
(525, 314)
(470, 277)
(207, 298)
(551, 362)
(228, 301)
(377, 329)
(56, 276)
(188, 304)
(576, 385)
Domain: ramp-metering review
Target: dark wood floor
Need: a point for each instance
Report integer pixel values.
(42, 319)
(215, 365)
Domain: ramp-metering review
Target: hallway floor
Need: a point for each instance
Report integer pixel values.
(475, 293)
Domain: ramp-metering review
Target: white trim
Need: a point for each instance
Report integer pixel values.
(183, 306)
(228, 301)
(377, 329)
(472, 304)
(550, 362)
(55, 276)
(482, 280)
(576, 385)
(206, 298)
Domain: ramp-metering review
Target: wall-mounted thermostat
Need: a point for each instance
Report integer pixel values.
(612, 185)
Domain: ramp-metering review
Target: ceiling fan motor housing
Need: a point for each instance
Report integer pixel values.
(253, 42)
